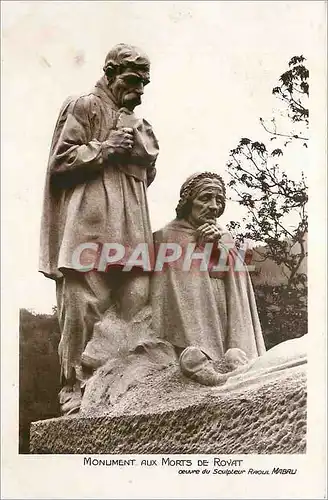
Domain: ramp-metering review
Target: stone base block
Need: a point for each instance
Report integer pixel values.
(266, 419)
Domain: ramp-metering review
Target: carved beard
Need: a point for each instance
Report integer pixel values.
(131, 99)
(124, 97)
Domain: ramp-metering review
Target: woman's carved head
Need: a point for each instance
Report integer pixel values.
(202, 198)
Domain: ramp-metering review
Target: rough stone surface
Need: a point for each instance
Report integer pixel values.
(169, 414)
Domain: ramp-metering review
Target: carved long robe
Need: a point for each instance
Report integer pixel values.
(211, 310)
(88, 199)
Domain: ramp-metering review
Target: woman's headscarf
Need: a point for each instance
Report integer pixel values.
(192, 187)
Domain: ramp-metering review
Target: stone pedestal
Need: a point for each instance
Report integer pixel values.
(266, 416)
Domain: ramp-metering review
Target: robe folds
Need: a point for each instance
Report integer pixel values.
(87, 198)
(213, 310)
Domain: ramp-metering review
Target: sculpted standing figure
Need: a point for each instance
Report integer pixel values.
(197, 299)
(101, 161)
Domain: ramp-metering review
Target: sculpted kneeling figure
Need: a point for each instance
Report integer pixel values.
(205, 297)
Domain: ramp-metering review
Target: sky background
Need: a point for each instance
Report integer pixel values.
(213, 68)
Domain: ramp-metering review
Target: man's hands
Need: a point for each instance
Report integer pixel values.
(120, 141)
(208, 233)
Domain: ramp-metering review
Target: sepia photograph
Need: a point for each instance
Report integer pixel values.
(163, 196)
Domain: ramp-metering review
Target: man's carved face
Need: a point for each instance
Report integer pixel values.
(207, 205)
(128, 87)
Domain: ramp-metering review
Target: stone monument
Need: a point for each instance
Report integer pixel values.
(163, 354)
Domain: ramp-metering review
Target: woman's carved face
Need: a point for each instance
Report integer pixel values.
(207, 206)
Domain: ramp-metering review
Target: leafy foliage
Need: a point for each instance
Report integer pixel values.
(270, 198)
(294, 89)
(293, 92)
(39, 371)
(282, 312)
(275, 203)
